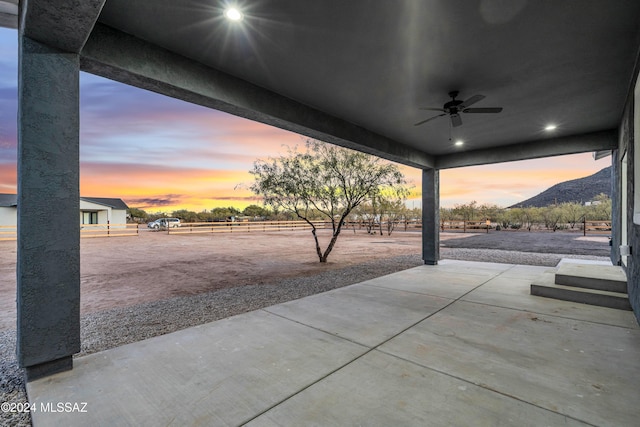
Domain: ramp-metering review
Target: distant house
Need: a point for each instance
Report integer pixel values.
(93, 210)
(8, 209)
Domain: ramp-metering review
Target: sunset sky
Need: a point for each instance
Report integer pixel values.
(161, 154)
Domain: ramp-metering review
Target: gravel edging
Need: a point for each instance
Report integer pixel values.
(512, 257)
(112, 328)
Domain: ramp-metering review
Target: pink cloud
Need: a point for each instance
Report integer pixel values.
(8, 178)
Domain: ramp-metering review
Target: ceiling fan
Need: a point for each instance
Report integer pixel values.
(454, 107)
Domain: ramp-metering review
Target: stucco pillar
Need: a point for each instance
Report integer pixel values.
(48, 268)
(430, 216)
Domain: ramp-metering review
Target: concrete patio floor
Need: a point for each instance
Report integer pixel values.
(461, 343)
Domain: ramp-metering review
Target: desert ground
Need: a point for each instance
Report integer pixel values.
(126, 271)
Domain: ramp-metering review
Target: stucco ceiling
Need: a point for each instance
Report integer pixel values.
(376, 63)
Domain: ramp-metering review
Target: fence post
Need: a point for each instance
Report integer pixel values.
(584, 226)
(464, 225)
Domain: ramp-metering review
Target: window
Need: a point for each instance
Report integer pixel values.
(89, 217)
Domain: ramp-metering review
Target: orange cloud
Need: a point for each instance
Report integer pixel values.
(166, 188)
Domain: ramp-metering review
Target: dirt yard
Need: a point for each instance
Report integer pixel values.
(124, 271)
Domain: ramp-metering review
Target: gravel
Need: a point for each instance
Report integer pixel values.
(119, 326)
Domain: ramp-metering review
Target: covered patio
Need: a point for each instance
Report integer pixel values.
(458, 343)
(405, 81)
(447, 343)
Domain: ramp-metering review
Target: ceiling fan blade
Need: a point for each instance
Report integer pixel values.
(471, 101)
(482, 110)
(432, 109)
(429, 119)
(456, 120)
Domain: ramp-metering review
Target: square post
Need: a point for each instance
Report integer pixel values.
(430, 216)
(48, 265)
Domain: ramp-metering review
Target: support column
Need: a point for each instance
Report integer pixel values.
(48, 268)
(430, 216)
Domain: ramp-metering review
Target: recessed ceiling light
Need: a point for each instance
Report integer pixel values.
(459, 143)
(233, 14)
(549, 128)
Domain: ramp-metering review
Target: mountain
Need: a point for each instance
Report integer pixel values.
(576, 190)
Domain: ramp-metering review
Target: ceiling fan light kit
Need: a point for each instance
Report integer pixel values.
(454, 107)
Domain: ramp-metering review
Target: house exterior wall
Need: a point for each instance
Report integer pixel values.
(118, 216)
(8, 216)
(616, 217)
(104, 217)
(106, 214)
(633, 268)
(628, 145)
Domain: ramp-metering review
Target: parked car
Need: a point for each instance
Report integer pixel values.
(164, 223)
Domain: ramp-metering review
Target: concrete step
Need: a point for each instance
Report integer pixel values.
(602, 277)
(544, 286)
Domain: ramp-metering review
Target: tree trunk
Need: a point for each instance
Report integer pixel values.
(323, 258)
(391, 225)
(334, 237)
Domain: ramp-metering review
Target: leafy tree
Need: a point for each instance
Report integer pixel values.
(222, 214)
(600, 208)
(137, 214)
(256, 211)
(503, 218)
(392, 211)
(466, 212)
(523, 217)
(489, 211)
(205, 216)
(283, 216)
(327, 180)
(369, 214)
(572, 213)
(157, 215)
(414, 214)
(185, 215)
(551, 215)
(446, 214)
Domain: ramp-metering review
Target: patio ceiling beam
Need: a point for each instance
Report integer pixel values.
(61, 24)
(124, 58)
(548, 147)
